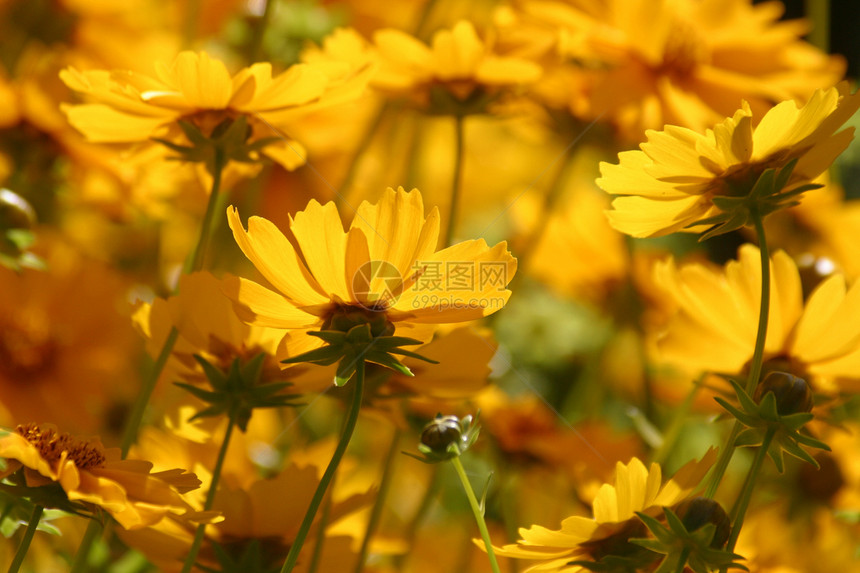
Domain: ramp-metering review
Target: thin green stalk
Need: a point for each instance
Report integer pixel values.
(456, 183)
(673, 432)
(379, 504)
(81, 562)
(320, 541)
(818, 11)
(423, 508)
(189, 26)
(477, 511)
(757, 360)
(28, 537)
(359, 152)
(210, 495)
(259, 31)
(195, 263)
(328, 475)
(682, 560)
(740, 508)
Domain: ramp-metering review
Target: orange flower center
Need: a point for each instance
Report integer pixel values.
(27, 348)
(683, 52)
(51, 445)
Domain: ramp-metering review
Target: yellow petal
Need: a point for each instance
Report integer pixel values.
(260, 306)
(322, 240)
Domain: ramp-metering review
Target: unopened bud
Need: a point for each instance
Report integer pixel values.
(441, 433)
(793, 395)
(15, 211)
(700, 511)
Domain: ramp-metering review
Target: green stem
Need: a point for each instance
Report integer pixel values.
(456, 183)
(81, 562)
(379, 504)
(260, 30)
(189, 27)
(673, 432)
(818, 12)
(476, 510)
(360, 150)
(758, 354)
(28, 537)
(195, 263)
(328, 475)
(682, 560)
(423, 508)
(210, 495)
(740, 508)
(323, 522)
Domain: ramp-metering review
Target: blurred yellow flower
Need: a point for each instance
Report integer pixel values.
(457, 61)
(89, 473)
(674, 181)
(714, 326)
(130, 107)
(646, 63)
(386, 266)
(614, 521)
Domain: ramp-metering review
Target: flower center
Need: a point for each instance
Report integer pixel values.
(51, 445)
(27, 348)
(823, 483)
(618, 544)
(683, 52)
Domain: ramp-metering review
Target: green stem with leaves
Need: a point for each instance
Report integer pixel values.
(758, 355)
(457, 180)
(210, 495)
(194, 263)
(328, 475)
(477, 511)
(682, 560)
(24, 546)
(379, 504)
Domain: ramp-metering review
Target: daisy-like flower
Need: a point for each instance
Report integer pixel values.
(93, 475)
(681, 179)
(129, 107)
(457, 63)
(645, 63)
(385, 267)
(614, 520)
(714, 326)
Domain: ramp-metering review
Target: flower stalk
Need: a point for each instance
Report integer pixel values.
(24, 546)
(456, 181)
(758, 354)
(477, 511)
(328, 475)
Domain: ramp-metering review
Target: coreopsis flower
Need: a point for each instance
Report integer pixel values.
(714, 326)
(94, 476)
(684, 180)
(196, 92)
(458, 73)
(643, 64)
(384, 272)
(636, 489)
(65, 341)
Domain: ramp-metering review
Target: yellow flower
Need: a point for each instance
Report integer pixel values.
(714, 327)
(457, 61)
(644, 63)
(676, 178)
(129, 107)
(89, 473)
(386, 266)
(636, 489)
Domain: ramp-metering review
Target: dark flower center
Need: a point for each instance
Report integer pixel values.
(27, 349)
(51, 445)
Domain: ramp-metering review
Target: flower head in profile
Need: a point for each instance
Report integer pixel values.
(195, 96)
(92, 476)
(456, 69)
(642, 64)
(681, 179)
(384, 272)
(636, 489)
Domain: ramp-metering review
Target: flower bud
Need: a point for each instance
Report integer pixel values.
(793, 395)
(15, 211)
(441, 433)
(700, 511)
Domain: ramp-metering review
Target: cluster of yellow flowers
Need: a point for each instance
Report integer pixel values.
(203, 367)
